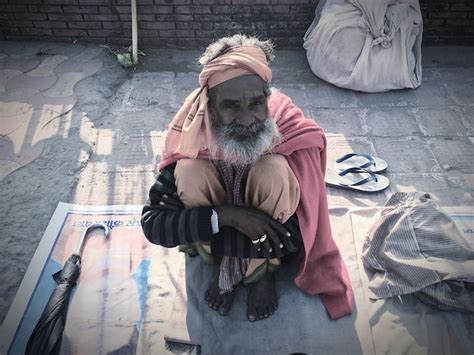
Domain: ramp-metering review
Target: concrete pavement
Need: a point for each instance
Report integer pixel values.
(78, 128)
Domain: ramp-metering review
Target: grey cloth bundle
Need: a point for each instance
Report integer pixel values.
(416, 248)
(366, 45)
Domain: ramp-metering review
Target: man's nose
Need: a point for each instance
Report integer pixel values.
(246, 118)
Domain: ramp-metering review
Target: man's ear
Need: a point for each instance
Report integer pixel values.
(266, 90)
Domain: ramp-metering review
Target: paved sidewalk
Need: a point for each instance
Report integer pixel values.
(78, 128)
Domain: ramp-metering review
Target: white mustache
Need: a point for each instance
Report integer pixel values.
(262, 137)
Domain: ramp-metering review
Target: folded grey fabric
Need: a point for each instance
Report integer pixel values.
(416, 248)
(300, 325)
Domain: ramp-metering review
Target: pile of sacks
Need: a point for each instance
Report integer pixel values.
(366, 45)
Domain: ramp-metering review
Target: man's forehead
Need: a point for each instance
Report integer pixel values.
(250, 86)
(233, 96)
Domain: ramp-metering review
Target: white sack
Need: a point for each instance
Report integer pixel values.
(366, 45)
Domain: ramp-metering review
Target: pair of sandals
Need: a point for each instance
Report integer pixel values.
(358, 172)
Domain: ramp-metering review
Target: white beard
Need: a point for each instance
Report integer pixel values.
(244, 151)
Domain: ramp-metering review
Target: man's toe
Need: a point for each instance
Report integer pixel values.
(223, 309)
(218, 303)
(252, 316)
(212, 300)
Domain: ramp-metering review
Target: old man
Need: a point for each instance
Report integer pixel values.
(241, 184)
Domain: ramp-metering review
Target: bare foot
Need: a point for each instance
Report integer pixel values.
(218, 302)
(262, 299)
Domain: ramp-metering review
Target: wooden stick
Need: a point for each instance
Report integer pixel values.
(134, 32)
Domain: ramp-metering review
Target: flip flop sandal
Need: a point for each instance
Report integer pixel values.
(188, 249)
(356, 179)
(363, 161)
(259, 272)
(206, 257)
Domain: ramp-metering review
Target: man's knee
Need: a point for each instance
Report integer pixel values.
(272, 186)
(197, 183)
(271, 172)
(190, 172)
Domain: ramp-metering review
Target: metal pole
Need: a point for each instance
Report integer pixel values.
(134, 32)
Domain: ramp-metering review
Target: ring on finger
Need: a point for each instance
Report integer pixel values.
(263, 238)
(255, 241)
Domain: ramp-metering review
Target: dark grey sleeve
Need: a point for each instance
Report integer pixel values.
(170, 227)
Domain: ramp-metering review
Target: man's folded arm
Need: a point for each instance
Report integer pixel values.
(166, 222)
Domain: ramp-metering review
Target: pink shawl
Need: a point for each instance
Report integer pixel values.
(322, 270)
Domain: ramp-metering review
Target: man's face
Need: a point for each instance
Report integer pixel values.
(241, 103)
(240, 120)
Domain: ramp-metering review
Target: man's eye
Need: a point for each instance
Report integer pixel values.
(230, 106)
(257, 103)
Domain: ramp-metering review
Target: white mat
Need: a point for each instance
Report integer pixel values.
(132, 293)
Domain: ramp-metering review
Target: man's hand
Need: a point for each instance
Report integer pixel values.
(254, 224)
(170, 201)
